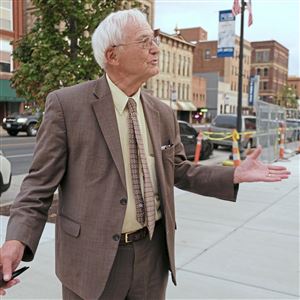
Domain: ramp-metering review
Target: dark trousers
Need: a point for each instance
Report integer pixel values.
(139, 271)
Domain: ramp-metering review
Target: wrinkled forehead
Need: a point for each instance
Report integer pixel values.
(135, 30)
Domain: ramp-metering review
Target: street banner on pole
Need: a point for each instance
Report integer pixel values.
(226, 39)
(253, 89)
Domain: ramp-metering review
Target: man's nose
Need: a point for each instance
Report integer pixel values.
(154, 49)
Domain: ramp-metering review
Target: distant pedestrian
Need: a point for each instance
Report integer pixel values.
(115, 153)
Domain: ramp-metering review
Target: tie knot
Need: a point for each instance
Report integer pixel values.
(131, 105)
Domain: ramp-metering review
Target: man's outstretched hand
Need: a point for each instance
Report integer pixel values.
(252, 170)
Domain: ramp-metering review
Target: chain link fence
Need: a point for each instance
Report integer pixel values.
(269, 119)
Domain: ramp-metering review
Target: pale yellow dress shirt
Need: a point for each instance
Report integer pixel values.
(120, 101)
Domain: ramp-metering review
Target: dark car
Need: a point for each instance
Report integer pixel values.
(22, 123)
(188, 136)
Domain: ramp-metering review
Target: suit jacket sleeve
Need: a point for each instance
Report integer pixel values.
(30, 209)
(213, 181)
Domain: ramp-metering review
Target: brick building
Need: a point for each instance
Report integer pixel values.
(269, 60)
(222, 76)
(11, 29)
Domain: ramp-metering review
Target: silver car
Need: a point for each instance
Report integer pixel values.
(5, 173)
(226, 123)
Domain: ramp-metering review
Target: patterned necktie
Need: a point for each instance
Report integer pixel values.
(146, 207)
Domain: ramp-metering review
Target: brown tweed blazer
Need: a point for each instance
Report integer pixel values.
(78, 150)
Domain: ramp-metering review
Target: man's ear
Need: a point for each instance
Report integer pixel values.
(111, 56)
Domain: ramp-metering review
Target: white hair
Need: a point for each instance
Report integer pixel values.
(111, 32)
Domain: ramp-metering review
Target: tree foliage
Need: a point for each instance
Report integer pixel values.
(287, 97)
(57, 52)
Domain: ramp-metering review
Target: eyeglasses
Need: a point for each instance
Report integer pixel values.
(146, 42)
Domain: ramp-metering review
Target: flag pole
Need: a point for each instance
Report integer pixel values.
(240, 78)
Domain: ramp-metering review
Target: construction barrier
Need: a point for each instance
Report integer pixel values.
(281, 142)
(235, 148)
(198, 147)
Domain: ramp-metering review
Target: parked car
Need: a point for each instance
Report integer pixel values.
(5, 173)
(188, 136)
(292, 130)
(21, 123)
(226, 123)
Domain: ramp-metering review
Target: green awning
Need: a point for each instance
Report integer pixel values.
(7, 93)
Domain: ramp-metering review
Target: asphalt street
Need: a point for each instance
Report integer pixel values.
(19, 151)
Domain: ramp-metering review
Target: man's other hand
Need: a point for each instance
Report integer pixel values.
(11, 254)
(253, 170)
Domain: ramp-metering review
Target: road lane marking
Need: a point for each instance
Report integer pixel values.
(20, 155)
(21, 144)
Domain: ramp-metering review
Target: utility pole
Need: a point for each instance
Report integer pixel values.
(240, 79)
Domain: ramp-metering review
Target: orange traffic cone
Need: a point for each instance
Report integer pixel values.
(281, 145)
(198, 147)
(235, 148)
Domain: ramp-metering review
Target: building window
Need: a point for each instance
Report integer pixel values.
(183, 92)
(4, 67)
(157, 88)
(174, 62)
(184, 66)
(207, 54)
(187, 92)
(179, 90)
(262, 56)
(265, 85)
(179, 65)
(221, 109)
(6, 16)
(6, 62)
(266, 71)
(163, 89)
(168, 90)
(188, 67)
(168, 62)
(163, 60)
(258, 71)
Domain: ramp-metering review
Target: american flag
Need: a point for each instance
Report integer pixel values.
(236, 9)
(250, 17)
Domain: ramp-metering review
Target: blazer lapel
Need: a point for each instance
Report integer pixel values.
(105, 113)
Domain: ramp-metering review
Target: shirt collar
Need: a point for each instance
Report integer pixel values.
(119, 97)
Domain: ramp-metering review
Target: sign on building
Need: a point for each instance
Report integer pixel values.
(226, 39)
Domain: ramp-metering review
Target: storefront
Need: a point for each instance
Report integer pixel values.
(9, 102)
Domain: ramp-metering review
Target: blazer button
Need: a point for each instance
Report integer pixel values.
(123, 201)
(116, 237)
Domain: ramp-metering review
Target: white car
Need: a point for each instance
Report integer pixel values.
(5, 173)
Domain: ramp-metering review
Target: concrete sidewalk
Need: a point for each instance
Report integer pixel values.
(243, 250)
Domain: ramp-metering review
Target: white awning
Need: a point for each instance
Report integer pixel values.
(186, 105)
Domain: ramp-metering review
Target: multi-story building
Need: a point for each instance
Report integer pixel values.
(193, 35)
(269, 60)
(173, 85)
(199, 99)
(221, 75)
(11, 29)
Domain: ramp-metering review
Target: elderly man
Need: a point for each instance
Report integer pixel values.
(115, 154)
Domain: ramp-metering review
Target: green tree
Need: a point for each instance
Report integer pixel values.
(57, 52)
(287, 97)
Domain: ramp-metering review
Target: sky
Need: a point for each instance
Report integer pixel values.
(277, 20)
